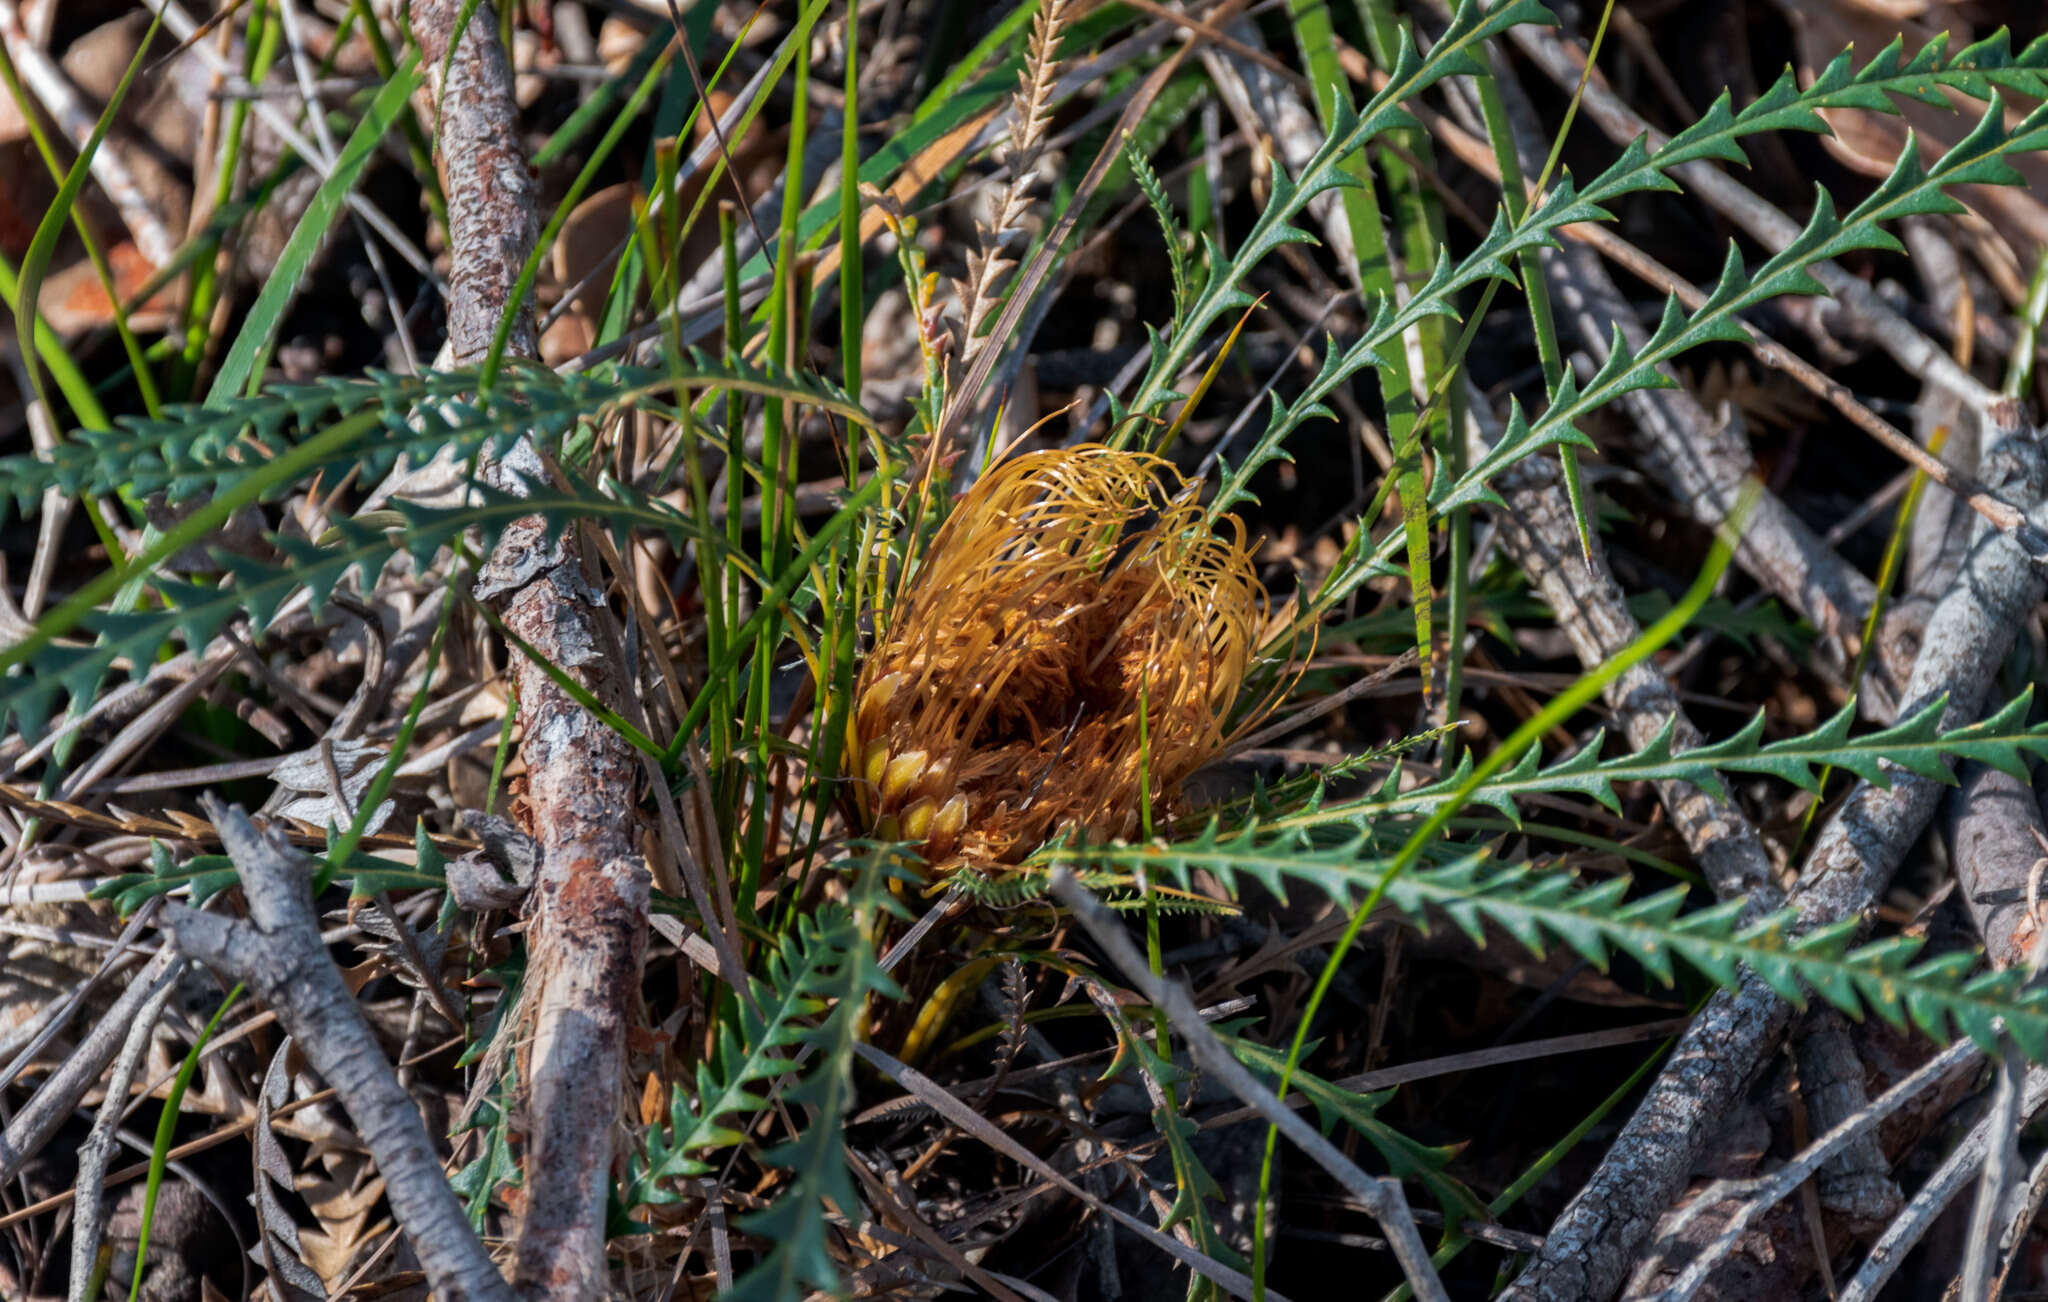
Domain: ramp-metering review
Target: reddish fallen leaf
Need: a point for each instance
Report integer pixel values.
(73, 300)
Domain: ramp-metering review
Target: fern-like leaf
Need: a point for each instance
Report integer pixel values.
(1911, 188)
(1453, 54)
(803, 974)
(1984, 70)
(192, 450)
(800, 1258)
(1598, 920)
(1155, 194)
(1915, 744)
(204, 876)
(197, 613)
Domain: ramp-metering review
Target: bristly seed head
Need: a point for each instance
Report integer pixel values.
(1069, 591)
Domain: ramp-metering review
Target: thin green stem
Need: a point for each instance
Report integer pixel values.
(166, 1131)
(851, 309)
(37, 260)
(773, 601)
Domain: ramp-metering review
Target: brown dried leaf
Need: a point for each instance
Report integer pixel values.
(216, 1088)
(344, 1212)
(291, 1279)
(587, 238)
(74, 300)
(307, 772)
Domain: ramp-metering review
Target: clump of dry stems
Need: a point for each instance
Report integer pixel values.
(1068, 652)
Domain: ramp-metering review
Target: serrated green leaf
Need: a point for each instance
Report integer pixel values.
(1597, 921)
(1916, 744)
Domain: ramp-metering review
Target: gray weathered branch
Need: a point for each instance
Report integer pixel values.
(278, 953)
(1597, 1239)
(1537, 531)
(32, 1127)
(98, 1149)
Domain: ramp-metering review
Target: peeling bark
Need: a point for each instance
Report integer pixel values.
(589, 908)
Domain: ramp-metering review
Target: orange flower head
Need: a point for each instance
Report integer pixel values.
(1070, 593)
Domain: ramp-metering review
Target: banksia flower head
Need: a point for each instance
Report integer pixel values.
(1070, 593)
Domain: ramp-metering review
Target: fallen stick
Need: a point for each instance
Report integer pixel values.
(1537, 532)
(278, 953)
(1595, 1242)
(50, 1106)
(588, 932)
(1758, 1195)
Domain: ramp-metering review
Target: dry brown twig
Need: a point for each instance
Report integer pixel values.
(588, 932)
(1758, 1195)
(1537, 531)
(1857, 1183)
(930, 1092)
(1934, 1196)
(36, 1123)
(98, 1148)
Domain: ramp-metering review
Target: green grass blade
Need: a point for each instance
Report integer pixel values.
(851, 310)
(167, 1128)
(44, 243)
(242, 370)
(144, 381)
(1316, 37)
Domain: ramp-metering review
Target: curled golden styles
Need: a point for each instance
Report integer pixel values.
(1069, 593)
